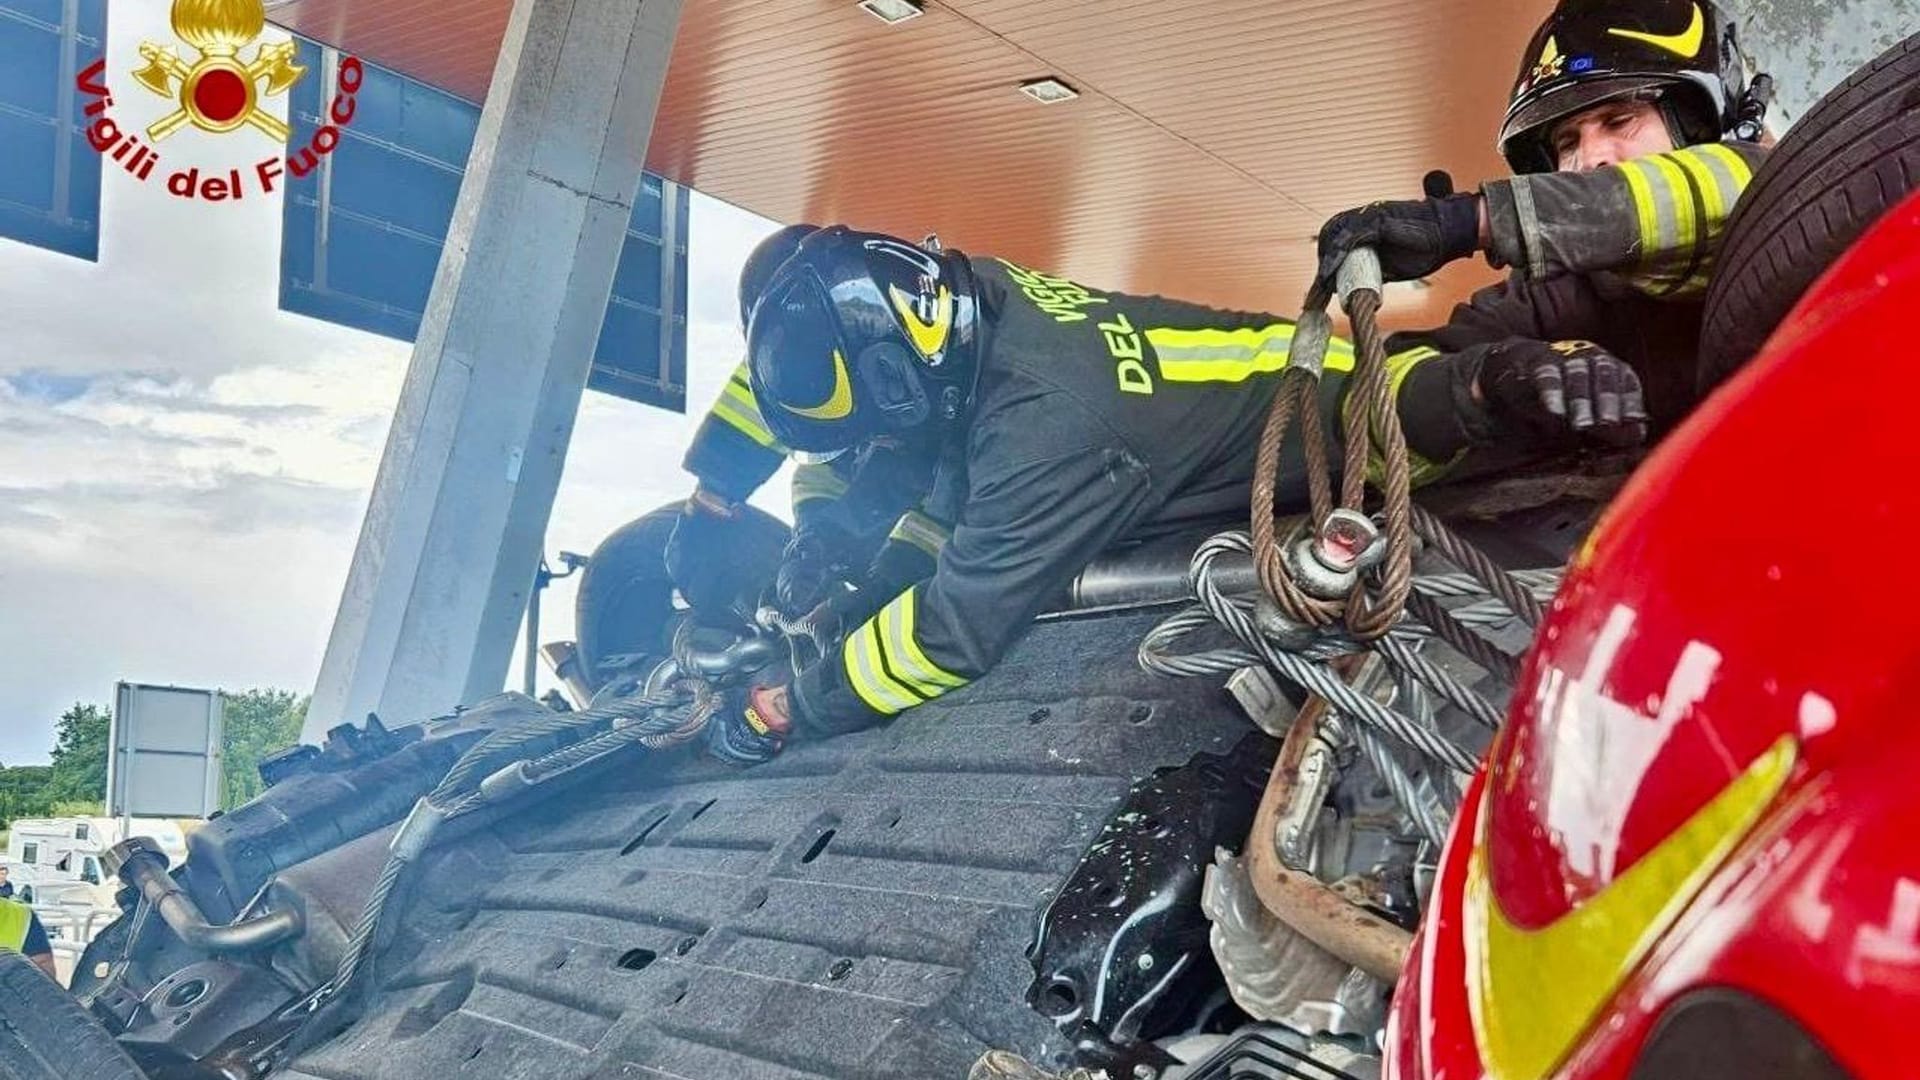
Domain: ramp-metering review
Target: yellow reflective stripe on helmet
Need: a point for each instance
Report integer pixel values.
(1208, 355)
(15, 919)
(921, 531)
(815, 482)
(903, 652)
(868, 676)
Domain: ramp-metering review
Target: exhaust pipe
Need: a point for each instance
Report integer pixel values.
(142, 865)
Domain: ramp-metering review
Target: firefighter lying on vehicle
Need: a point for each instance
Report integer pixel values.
(1611, 257)
(1066, 419)
(857, 517)
(1644, 109)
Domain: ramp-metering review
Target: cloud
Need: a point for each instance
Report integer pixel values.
(49, 387)
(184, 467)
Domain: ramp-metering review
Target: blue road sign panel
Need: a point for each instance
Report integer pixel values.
(365, 224)
(49, 175)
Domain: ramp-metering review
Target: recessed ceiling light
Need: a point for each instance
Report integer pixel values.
(893, 12)
(1048, 91)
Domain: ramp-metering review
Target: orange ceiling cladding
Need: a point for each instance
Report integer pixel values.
(1210, 139)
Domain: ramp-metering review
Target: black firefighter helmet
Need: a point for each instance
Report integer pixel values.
(772, 250)
(1684, 54)
(860, 335)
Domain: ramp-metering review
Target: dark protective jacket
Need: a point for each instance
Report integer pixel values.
(1099, 418)
(1105, 417)
(1619, 256)
(870, 507)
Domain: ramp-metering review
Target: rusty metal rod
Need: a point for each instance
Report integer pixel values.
(1303, 901)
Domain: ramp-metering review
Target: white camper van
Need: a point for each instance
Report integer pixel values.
(57, 860)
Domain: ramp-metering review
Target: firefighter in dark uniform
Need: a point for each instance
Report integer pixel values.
(1069, 419)
(860, 529)
(1632, 129)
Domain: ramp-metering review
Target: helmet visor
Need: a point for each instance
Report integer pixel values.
(1524, 136)
(800, 372)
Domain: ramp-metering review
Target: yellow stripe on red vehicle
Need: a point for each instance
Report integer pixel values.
(1532, 993)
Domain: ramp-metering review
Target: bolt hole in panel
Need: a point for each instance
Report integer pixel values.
(819, 846)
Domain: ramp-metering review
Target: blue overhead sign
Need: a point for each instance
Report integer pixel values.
(364, 227)
(49, 175)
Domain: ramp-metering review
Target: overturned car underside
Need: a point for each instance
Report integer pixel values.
(1053, 861)
(1130, 851)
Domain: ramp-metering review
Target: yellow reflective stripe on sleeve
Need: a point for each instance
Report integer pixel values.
(736, 406)
(750, 426)
(904, 652)
(1718, 190)
(867, 674)
(1643, 206)
(921, 531)
(1232, 355)
(1421, 470)
(1737, 165)
(1401, 364)
(817, 481)
(1715, 195)
(1680, 194)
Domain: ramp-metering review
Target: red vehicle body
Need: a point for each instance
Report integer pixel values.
(1695, 848)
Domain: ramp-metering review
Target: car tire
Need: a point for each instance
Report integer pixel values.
(1853, 156)
(625, 602)
(46, 1035)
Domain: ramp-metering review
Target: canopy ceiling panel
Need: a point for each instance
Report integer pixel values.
(1209, 140)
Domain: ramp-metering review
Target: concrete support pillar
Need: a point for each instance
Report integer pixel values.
(460, 505)
(1809, 46)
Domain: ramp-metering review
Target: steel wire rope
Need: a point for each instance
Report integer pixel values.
(1313, 676)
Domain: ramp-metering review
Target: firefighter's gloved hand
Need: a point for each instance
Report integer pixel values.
(694, 553)
(809, 571)
(1413, 237)
(1555, 389)
(751, 725)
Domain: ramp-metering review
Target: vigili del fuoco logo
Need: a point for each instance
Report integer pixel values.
(221, 91)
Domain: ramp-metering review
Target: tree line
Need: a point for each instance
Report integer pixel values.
(257, 723)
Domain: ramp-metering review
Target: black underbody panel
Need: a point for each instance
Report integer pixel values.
(859, 908)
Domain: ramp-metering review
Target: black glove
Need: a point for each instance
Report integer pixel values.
(750, 727)
(810, 567)
(1552, 389)
(1413, 237)
(694, 555)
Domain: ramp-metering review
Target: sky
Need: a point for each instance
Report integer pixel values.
(183, 466)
